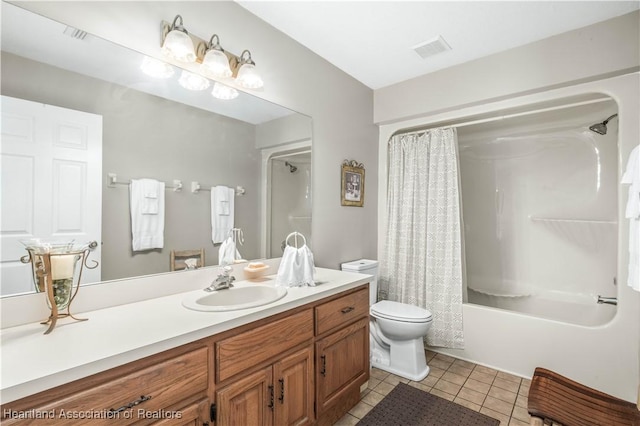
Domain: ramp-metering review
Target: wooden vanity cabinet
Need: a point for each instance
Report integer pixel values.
(170, 388)
(341, 353)
(300, 367)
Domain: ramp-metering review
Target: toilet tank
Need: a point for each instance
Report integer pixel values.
(369, 267)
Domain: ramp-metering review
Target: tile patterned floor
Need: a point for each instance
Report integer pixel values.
(494, 393)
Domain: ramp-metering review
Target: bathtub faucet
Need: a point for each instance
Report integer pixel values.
(608, 300)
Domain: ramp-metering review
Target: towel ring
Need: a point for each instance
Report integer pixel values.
(296, 234)
(237, 235)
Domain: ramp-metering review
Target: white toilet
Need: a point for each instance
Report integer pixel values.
(396, 329)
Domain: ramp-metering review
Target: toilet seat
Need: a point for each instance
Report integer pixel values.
(397, 311)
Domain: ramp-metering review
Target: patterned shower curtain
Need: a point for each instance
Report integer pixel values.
(422, 264)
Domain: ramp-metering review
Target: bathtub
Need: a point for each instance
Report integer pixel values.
(568, 308)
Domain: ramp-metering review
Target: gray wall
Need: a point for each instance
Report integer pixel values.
(148, 136)
(341, 107)
(601, 50)
(285, 130)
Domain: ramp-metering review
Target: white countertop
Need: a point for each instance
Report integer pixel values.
(33, 362)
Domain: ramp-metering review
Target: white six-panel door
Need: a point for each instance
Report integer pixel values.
(51, 168)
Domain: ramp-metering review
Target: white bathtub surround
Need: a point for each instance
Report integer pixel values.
(631, 177)
(517, 343)
(422, 264)
(147, 214)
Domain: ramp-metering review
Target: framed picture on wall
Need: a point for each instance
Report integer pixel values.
(352, 183)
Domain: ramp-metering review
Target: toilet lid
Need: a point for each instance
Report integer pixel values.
(400, 312)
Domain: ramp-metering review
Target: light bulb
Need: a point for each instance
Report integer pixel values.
(155, 68)
(192, 81)
(224, 92)
(216, 64)
(248, 77)
(179, 46)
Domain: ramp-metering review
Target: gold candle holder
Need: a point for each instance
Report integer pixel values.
(55, 272)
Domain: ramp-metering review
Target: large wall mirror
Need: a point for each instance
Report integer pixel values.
(76, 90)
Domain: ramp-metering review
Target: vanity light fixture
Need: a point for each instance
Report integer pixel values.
(177, 44)
(192, 81)
(224, 92)
(156, 68)
(215, 63)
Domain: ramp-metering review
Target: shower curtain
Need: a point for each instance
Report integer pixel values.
(422, 264)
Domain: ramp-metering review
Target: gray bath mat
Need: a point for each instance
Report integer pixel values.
(409, 406)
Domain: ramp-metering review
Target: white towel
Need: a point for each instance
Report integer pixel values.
(222, 199)
(150, 203)
(147, 229)
(296, 268)
(228, 252)
(221, 213)
(632, 212)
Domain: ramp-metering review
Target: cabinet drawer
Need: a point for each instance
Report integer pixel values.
(248, 349)
(336, 313)
(155, 388)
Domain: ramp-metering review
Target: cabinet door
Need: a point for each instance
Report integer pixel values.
(248, 401)
(342, 362)
(294, 388)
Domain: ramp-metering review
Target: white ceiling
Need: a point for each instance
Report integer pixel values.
(373, 40)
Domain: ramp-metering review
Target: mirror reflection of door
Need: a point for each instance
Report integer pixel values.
(290, 198)
(52, 157)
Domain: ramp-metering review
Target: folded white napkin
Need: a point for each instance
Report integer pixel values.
(296, 268)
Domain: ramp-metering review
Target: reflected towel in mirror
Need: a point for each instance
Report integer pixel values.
(221, 212)
(147, 230)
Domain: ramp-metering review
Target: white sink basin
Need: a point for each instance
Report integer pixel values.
(234, 298)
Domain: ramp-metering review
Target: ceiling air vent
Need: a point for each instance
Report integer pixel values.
(431, 47)
(75, 33)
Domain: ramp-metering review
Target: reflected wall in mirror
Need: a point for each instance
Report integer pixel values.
(151, 128)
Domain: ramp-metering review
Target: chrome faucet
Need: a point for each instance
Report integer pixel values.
(608, 300)
(223, 281)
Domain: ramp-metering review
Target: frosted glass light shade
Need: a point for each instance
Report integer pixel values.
(216, 64)
(248, 77)
(192, 81)
(156, 68)
(179, 46)
(224, 92)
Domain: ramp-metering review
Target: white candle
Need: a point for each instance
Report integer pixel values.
(62, 266)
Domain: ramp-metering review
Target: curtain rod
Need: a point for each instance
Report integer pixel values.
(500, 117)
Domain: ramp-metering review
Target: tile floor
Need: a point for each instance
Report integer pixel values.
(494, 393)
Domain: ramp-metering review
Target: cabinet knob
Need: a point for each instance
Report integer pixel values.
(281, 398)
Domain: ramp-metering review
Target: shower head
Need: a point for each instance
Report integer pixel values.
(292, 168)
(601, 128)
